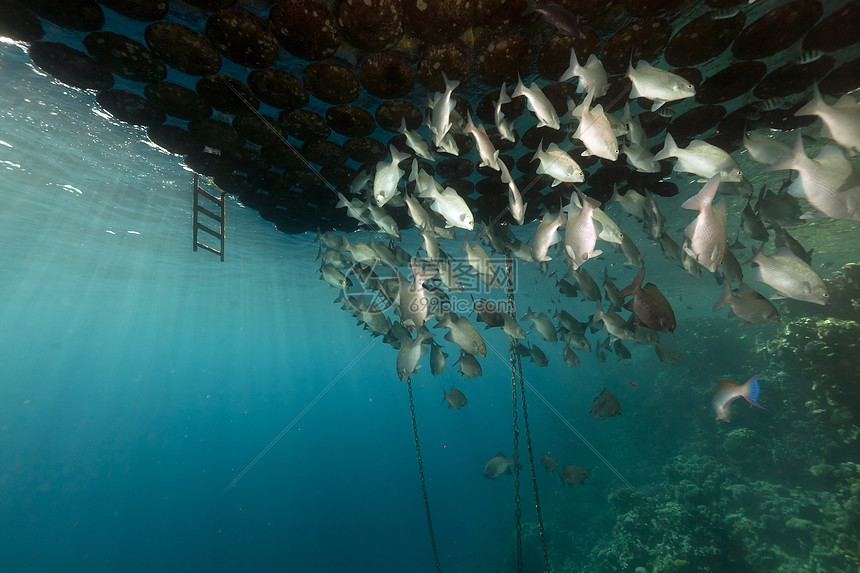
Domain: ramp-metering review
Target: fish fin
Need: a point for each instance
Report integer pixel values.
(503, 94)
(798, 153)
(725, 297)
(815, 106)
(657, 104)
(704, 197)
(670, 149)
(751, 391)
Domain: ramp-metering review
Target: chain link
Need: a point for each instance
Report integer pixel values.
(421, 474)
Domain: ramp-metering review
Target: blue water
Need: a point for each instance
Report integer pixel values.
(139, 378)
(144, 387)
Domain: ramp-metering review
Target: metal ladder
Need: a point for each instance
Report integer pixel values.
(220, 219)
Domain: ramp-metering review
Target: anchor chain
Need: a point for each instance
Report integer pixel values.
(517, 373)
(532, 466)
(514, 367)
(421, 474)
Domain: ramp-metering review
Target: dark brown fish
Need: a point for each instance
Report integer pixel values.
(548, 463)
(649, 305)
(605, 405)
(571, 475)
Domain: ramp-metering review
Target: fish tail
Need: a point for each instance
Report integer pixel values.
(636, 285)
(815, 106)
(670, 149)
(751, 390)
(396, 156)
(520, 89)
(705, 195)
(725, 295)
(503, 94)
(450, 85)
(757, 253)
(790, 161)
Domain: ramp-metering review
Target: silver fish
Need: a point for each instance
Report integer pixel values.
(543, 325)
(498, 465)
(384, 221)
(657, 85)
(469, 366)
(829, 182)
(489, 154)
(558, 165)
(571, 360)
(388, 177)
(416, 142)
(481, 262)
(451, 206)
(506, 132)
(331, 240)
(632, 256)
(538, 103)
(587, 285)
(841, 120)
(511, 327)
(764, 149)
(440, 123)
(632, 202)
(707, 232)
(790, 276)
(592, 76)
(702, 159)
(613, 324)
(455, 398)
(410, 353)
(463, 334)
(580, 234)
(515, 200)
(414, 298)
(613, 295)
(538, 357)
(437, 360)
(546, 235)
(334, 277)
(747, 304)
(594, 131)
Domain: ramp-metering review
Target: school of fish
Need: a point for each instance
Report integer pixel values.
(414, 315)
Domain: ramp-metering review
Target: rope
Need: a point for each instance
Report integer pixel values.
(421, 473)
(517, 375)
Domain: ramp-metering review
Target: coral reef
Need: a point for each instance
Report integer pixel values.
(708, 516)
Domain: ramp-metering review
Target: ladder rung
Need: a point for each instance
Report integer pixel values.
(212, 197)
(208, 230)
(208, 248)
(209, 213)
